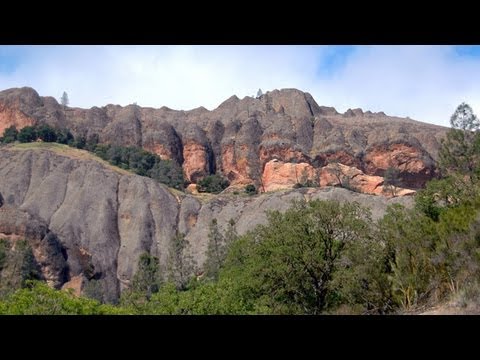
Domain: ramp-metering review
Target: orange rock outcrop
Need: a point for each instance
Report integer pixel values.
(280, 175)
(10, 116)
(195, 165)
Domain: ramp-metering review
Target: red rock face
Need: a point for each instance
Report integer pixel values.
(279, 175)
(235, 166)
(403, 157)
(341, 157)
(10, 116)
(410, 161)
(195, 165)
(348, 176)
(285, 154)
(160, 150)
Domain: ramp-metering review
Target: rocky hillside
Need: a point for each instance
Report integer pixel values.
(271, 141)
(87, 220)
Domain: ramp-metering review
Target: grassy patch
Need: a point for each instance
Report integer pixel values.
(68, 151)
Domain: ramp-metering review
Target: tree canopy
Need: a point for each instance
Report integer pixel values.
(64, 99)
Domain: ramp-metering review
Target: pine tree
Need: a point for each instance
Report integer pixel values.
(64, 100)
(216, 251)
(181, 265)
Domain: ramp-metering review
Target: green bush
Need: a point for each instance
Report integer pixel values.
(64, 136)
(9, 135)
(17, 265)
(250, 189)
(39, 299)
(213, 184)
(46, 133)
(27, 134)
(168, 172)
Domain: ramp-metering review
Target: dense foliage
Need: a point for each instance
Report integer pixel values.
(17, 265)
(250, 189)
(131, 158)
(143, 163)
(42, 132)
(213, 184)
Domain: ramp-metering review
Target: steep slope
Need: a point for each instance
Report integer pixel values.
(242, 135)
(85, 218)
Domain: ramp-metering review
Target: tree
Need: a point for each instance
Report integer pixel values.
(216, 251)
(335, 169)
(80, 142)
(27, 134)
(431, 200)
(290, 265)
(146, 280)
(92, 142)
(168, 172)
(464, 119)
(218, 246)
(64, 100)
(459, 155)
(181, 264)
(456, 255)
(259, 93)
(391, 180)
(231, 234)
(460, 149)
(409, 239)
(17, 265)
(213, 184)
(250, 189)
(64, 136)
(10, 134)
(46, 133)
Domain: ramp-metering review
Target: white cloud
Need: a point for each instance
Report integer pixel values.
(423, 82)
(180, 77)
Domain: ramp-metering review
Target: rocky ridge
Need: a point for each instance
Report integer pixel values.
(242, 136)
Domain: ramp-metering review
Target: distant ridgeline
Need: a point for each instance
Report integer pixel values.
(133, 158)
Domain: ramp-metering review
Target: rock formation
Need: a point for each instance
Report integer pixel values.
(242, 136)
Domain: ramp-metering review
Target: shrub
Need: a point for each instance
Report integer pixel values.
(213, 184)
(250, 189)
(27, 134)
(46, 133)
(10, 135)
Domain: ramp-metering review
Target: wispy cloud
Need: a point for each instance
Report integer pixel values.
(422, 82)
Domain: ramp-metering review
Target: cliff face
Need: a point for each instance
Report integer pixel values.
(241, 136)
(87, 220)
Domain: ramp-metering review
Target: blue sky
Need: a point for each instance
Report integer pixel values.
(425, 83)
